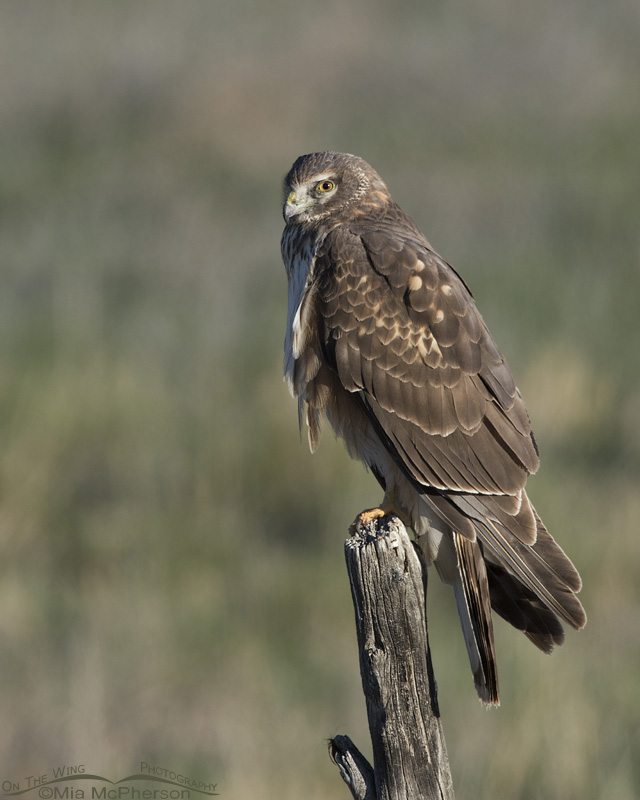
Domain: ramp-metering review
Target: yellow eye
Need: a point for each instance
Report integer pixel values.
(325, 186)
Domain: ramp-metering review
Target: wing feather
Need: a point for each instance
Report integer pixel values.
(374, 310)
(402, 327)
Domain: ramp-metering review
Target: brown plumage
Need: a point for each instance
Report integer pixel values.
(384, 338)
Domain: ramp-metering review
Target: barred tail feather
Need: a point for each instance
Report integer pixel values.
(471, 590)
(531, 585)
(521, 608)
(542, 568)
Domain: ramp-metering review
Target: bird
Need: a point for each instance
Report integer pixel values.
(384, 340)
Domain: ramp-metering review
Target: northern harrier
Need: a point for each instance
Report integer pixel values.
(384, 339)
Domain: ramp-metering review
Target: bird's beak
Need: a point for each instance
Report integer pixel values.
(297, 201)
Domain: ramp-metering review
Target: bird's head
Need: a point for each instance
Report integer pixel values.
(319, 184)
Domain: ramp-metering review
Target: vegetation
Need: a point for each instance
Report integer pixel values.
(173, 587)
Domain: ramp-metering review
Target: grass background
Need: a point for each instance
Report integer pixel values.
(173, 587)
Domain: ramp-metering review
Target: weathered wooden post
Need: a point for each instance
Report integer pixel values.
(388, 586)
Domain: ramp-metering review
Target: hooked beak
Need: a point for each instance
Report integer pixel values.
(297, 201)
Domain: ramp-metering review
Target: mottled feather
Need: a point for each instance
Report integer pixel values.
(384, 338)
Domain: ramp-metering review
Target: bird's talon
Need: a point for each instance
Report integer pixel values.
(366, 517)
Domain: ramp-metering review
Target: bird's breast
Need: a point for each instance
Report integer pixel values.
(298, 251)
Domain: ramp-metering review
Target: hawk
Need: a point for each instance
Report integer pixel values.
(384, 339)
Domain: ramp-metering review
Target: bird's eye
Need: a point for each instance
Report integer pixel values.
(326, 186)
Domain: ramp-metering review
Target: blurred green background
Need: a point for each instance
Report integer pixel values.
(173, 586)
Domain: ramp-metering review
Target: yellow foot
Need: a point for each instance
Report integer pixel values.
(371, 514)
(367, 516)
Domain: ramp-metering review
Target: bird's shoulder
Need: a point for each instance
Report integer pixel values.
(389, 245)
(387, 298)
(385, 268)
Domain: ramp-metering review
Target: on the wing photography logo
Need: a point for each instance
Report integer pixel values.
(76, 783)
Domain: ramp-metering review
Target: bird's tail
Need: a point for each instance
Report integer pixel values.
(460, 563)
(533, 587)
(529, 579)
(471, 589)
